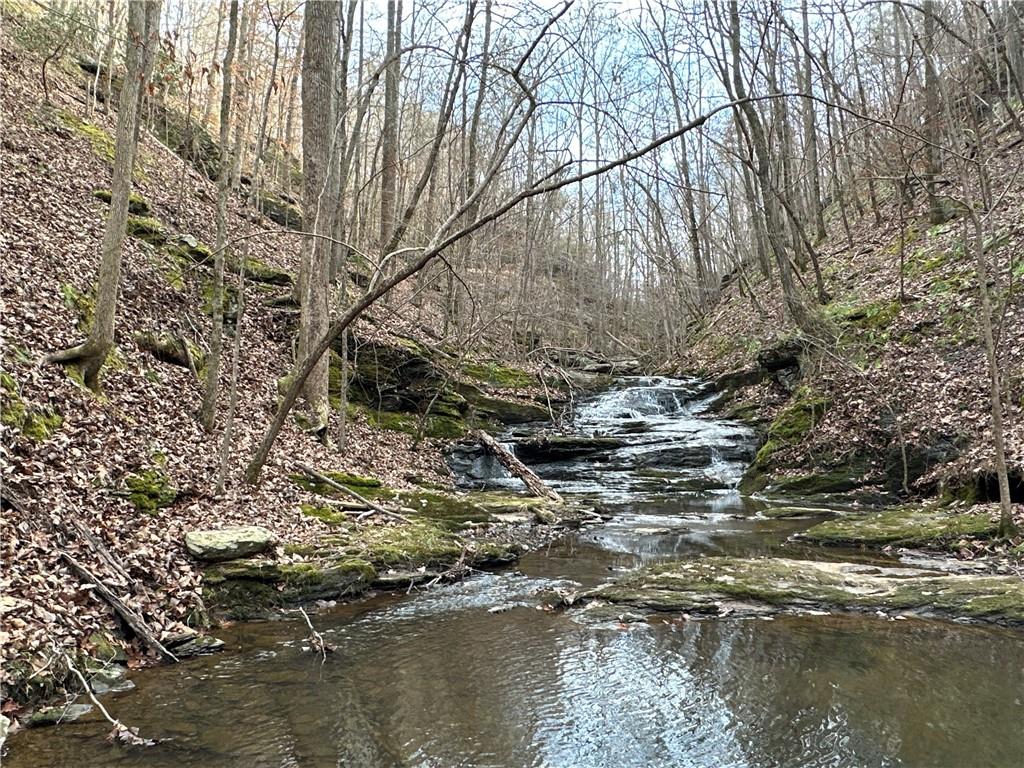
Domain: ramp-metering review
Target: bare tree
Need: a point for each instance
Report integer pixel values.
(143, 34)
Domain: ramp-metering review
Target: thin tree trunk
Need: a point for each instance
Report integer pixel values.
(207, 410)
(143, 34)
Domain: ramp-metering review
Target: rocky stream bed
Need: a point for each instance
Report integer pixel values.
(684, 624)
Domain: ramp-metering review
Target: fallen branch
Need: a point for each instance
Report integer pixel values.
(130, 617)
(516, 467)
(371, 505)
(315, 637)
(121, 731)
(84, 535)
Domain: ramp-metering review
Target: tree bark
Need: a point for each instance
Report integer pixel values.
(143, 34)
(207, 410)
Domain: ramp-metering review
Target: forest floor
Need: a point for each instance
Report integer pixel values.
(133, 465)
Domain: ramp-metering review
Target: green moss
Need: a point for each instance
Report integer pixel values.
(498, 375)
(905, 526)
(83, 304)
(188, 248)
(327, 514)
(148, 229)
(711, 584)
(261, 272)
(794, 422)
(150, 490)
(839, 480)
(137, 204)
(874, 315)
(440, 426)
(281, 212)
(99, 140)
(36, 423)
(251, 588)
(358, 483)
(418, 543)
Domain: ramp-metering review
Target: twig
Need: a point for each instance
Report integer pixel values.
(121, 731)
(315, 637)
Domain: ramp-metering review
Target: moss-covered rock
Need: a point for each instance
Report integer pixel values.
(503, 410)
(101, 142)
(148, 229)
(150, 489)
(81, 303)
(498, 375)
(911, 526)
(190, 249)
(872, 315)
(244, 589)
(261, 272)
(228, 543)
(725, 584)
(280, 211)
(794, 422)
(137, 204)
(169, 348)
(34, 422)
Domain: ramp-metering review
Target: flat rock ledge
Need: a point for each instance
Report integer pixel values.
(738, 586)
(911, 526)
(228, 543)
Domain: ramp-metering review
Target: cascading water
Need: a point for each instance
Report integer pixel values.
(658, 441)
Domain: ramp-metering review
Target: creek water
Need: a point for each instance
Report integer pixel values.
(473, 674)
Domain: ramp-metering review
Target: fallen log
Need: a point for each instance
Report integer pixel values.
(130, 617)
(319, 477)
(516, 467)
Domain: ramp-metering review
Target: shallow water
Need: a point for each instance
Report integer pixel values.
(437, 679)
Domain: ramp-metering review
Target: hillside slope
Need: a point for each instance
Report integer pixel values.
(904, 390)
(133, 465)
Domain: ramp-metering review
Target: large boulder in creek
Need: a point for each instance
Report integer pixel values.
(228, 543)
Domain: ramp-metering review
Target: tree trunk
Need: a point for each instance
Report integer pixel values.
(320, 186)
(143, 35)
(207, 410)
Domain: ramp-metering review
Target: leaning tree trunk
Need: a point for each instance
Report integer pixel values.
(143, 32)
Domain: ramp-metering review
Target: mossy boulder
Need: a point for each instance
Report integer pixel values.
(170, 348)
(280, 211)
(243, 589)
(150, 489)
(261, 272)
(137, 204)
(34, 422)
(499, 375)
(910, 526)
(101, 142)
(718, 585)
(81, 303)
(191, 249)
(228, 543)
(147, 229)
(503, 410)
(793, 423)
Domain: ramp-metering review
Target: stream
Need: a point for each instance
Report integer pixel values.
(474, 674)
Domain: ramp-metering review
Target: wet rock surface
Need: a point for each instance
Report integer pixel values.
(724, 585)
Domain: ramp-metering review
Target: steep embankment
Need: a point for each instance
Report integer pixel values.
(898, 406)
(133, 466)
